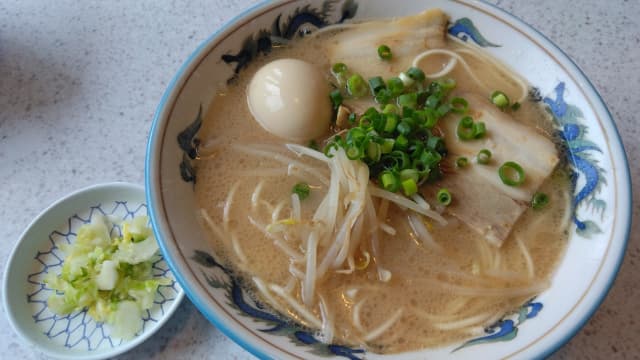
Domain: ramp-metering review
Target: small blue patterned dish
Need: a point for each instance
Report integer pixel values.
(77, 335)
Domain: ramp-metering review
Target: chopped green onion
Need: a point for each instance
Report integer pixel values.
(431, 118)
(406, 80)
(339, 68)
(459, 105)
(327, 149)
(409, 187)
(479, 130)
(430, 158)
(390, 109)
(446, 84)
(516, 105)
(376, 84)
(511, 173)
(302, 189)
(389, 181)
(374, 151)
(383, 96)
(384, 52)
(387, 146)
(468, 130)
(416, 74)
(410, 174)
(365, 121)
(390, 123)
(500, 99)
(356, 86)
(443, 110)
(465, 129)
(395, 85)
(433, 100)
(483, 157)
(354, 153)
(462, 162)
(313, 145)
(539, 200)
(336, 98)
(403, 158)
(401, 142)
(444, 197)
(436, 144)
(404, 127)
(409, 100)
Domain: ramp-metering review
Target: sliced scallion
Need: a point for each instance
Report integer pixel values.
(479, 130)
(409, 187)
(389, 181)
(409, 100)
(395, 85)
(462, 162)
(390, 109)
(302, 189)
(416, 74)
(376, 84)
(444, 197)
(356, 85)
(410, 174)
(336, 98)
(500, 99)
(511, 173)
(459, 105)
(404, 127)
(539, 200)
(339, 68)
(465, 129)
(483, 157)
(384, 52)
(391, 121)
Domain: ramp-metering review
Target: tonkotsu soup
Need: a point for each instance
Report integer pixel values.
(390, 197)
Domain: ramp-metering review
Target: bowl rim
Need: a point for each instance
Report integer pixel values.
(14, 256)
(590, 92)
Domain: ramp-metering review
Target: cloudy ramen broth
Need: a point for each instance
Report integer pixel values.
(414, 292)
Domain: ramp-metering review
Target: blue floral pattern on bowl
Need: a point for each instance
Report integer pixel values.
(220, 277)
(78, 330)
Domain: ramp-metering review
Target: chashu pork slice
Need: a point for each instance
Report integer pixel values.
(486, 204)
(407, 37)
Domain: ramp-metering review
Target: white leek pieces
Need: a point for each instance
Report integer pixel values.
(109, 276)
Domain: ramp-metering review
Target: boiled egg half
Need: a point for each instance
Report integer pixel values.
(290, 99)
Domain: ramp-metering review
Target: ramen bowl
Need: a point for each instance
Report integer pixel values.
(600, 216)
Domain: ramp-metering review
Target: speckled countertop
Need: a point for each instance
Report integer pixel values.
(80, 80)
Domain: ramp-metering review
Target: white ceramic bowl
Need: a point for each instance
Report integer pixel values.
(37, 253)
(602, 187)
